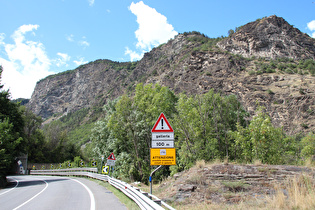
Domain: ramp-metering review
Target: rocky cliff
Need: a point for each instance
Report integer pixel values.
(263, 63)
(270, 37)
(86, 86)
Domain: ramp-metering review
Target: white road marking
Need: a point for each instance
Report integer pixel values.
(33, 196)
(17, 183)
(92, 207)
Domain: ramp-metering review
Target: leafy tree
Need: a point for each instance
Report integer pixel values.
(36, 145)
(202, 126)
(231, 32)
(59, 148)
(260, 140)
(308, 146)
(11, 132)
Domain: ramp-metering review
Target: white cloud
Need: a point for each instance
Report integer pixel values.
(63, 59)
(2, 36)
(133, 54)
(80, 61)
(26, 63)
(91, 2)
(70, 37)
(153, 29)
(311, 27)
(84, 43)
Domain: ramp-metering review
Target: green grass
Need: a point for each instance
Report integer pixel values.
(130, 204)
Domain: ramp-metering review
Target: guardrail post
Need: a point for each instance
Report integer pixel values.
(158, 202)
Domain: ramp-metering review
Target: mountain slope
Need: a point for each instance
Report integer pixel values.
(266, 62)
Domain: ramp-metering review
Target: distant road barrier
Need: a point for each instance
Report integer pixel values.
(142, 199)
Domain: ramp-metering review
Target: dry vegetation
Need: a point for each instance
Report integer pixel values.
(229, 186)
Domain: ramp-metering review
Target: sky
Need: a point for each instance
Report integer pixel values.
(43, 37)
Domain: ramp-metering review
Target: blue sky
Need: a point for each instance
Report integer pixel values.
(43, 37)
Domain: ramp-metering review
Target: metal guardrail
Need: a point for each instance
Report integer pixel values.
(143, 199)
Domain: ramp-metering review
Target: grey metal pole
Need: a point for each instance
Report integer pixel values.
(150, 179)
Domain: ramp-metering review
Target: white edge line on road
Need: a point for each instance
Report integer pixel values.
(90, 193)
(33, 196)
(17, 183)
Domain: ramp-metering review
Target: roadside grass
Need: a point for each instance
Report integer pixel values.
(296, 193)
(130, 204)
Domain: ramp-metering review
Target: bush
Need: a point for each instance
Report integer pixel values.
(236, 186)
(270, 92)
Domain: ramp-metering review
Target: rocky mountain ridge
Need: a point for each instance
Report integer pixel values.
(260, 63)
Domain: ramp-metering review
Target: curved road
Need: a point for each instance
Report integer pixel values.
(52, 192)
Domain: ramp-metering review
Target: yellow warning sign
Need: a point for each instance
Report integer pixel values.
(166, 156)
(105, 169)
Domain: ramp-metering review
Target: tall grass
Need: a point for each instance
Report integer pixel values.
(296, 193)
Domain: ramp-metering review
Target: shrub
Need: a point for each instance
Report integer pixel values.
(236, 186)
(270, 92)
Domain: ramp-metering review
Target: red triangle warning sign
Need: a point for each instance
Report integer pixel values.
(111, 157)
(162, 125)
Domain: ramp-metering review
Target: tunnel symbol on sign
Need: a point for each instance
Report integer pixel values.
(163, 152)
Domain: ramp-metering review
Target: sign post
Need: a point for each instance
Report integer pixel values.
(102, 159)
(162, 151)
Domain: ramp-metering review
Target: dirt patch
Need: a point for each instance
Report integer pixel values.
(228, 184)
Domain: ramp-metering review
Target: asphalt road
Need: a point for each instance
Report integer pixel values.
(52, 192)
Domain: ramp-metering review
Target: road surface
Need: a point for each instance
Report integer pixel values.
(52, 192)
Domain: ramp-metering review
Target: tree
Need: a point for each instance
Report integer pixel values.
(36, 145)
(260, 140)
(202, 125)
(231, 32)
(308, 146)
(58, 147)
(11, 132)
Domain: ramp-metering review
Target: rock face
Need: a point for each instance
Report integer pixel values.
(270, 37)
(83, 87)
(194, 64)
